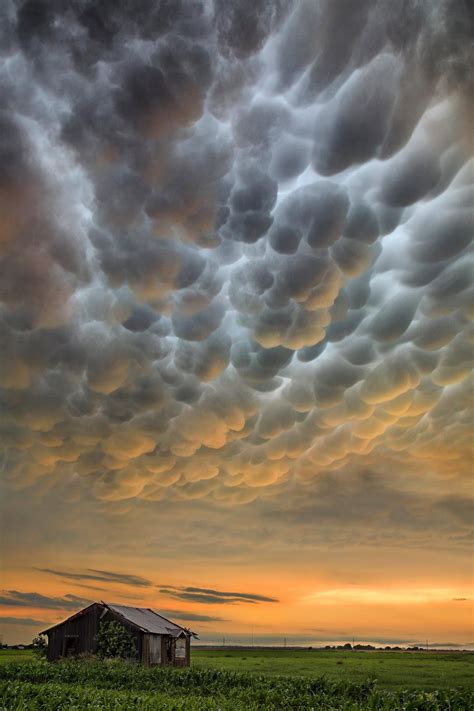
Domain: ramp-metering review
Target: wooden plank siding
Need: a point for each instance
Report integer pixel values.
(145, 655)
(82, 628)
(77, 635)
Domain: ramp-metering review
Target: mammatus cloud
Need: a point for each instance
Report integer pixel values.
(14, 598)
(235, 245)
(99, 575)
(212, 597)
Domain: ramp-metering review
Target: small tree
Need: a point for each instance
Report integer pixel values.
(40, 646)
(115, 642)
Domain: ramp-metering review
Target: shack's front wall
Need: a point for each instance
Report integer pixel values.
(76, 636)
(182, 653)
(165, 650)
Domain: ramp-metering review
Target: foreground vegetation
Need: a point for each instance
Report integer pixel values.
(428, 671)
(114, 685)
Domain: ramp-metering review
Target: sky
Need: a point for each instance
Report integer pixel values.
(235, 316)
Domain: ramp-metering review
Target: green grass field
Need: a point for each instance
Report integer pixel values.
(14, 655)
(244, 680)
(393, 670)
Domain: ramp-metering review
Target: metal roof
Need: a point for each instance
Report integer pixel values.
(148, 620)
(144, 618)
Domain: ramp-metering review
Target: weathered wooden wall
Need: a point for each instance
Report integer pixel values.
(83, 630)
(80, 632)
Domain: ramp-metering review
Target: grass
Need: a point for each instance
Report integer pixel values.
(244, 680)
(25, 696)
(15, 655)
(117, 686)
(393, 670)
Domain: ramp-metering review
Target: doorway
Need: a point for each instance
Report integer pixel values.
(169, 650)
(71, 645)
(155, 648)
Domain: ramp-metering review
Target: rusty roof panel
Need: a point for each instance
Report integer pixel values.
(147, 620)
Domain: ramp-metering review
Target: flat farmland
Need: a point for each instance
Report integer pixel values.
(393, 670)
(16, 655)
(244, 680)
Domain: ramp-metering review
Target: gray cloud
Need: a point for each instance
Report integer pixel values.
(100, 575)
(14, 598)
(213, 597)
(27, 621)
(370, 507)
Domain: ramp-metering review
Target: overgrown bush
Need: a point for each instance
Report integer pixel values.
(115, 642)
(40, 646)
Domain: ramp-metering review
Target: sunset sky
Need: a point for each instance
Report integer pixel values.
(235, 316)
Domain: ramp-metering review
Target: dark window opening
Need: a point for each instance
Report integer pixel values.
(169, 651)
(71, 646)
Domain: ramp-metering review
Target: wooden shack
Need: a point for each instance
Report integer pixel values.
(158, 640)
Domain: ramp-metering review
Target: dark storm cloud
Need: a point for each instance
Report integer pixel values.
(213, 597)
(243, 25)
(100, 575)
(316, 212)
(372, 507)
(354, 124)
(235, 245)
(14, 598)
